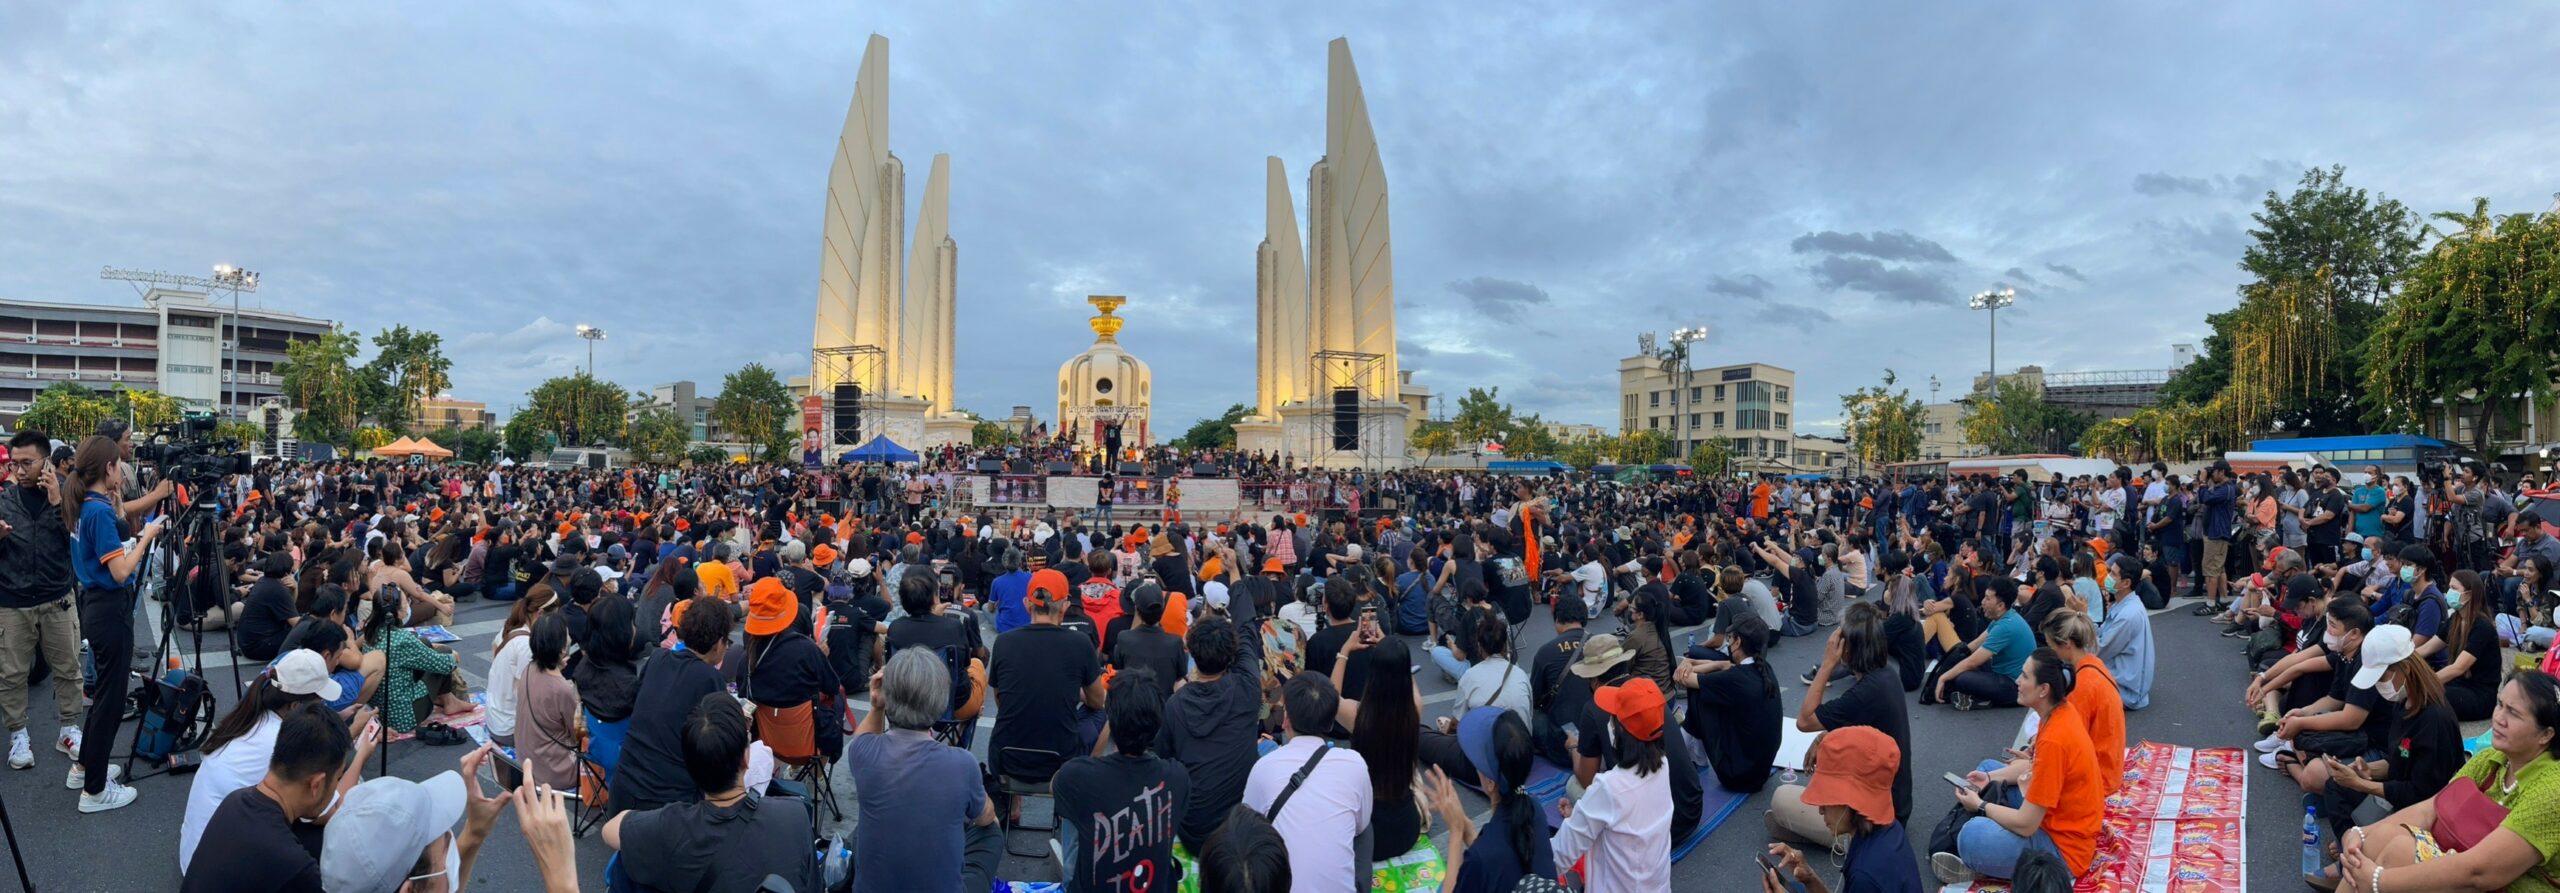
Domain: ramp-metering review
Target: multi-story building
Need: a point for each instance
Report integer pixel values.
(1942, 433)
(448, 412)
(1816, 454)
(1568, 432)
(693, 408)
(179, 343)
(1750, 404)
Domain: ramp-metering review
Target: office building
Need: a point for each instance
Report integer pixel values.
(450, 413)
(178, 343)
(1750, 404)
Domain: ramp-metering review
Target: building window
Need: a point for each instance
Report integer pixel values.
(1719, 393)
(1719, 417)
(1653, 398)
(1782, 421)
(1781, 449)
(1782, 395)
(1693, 393)
(1693, 420)
(1653, 423)
(1751, 419)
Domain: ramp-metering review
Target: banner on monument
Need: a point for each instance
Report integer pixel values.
(1132, 492)
(1210, 495)
(1073, 492)
(1015, 489)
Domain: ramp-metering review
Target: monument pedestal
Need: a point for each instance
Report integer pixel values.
(940, 431)
(1306, 434)
(1255, 435)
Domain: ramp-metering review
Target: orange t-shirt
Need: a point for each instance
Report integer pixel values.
(2065, 783)
(2094, 696)
(1760, 501)
(1177, 614)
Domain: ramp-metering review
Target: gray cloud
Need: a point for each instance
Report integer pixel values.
(1895, 245)
(2067, 270)
(1900, 284)
(1501, 299)
(1792, 315)
(1747, 285)
(2022, 277)
(2171, 184)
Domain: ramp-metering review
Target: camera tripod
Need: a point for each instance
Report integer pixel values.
(195, 553)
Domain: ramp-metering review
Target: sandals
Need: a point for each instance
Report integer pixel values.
(436, 734)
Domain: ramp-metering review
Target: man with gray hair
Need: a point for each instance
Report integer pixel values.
(926, 823)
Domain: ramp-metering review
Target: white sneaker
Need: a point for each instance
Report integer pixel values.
(21, 754)
(68, 742)
(113, 796)
(1950, 868)
(79, 777)
(2270, 745)
(2269, 759)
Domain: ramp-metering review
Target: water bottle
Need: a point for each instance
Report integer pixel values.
(2312, 859)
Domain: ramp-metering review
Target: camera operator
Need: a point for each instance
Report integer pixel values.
(37, 616)
(107, 569)
(133, 503)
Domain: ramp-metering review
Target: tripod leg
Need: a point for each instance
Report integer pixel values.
(14, 854)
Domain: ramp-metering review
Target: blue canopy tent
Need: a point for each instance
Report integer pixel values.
(880, 449)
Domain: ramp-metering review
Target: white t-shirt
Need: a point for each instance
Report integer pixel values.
(504, 670)
(239, 764)
(1623, 822)
(1494, 681)
(1594, 580)
(1334, 798)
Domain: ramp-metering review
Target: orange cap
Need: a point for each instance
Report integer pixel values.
(1637, 703)
(915, 538)
(771, 606)
(1273, 566)
(1048, 587)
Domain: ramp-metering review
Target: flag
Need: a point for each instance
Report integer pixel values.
(1492, 447)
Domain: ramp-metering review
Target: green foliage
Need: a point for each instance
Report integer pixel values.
(1645, 447)
(526, 436)
(658, 434)
(708, 455)
(1883, 424)
(408, 367)
(1714, 455)
(2478, 315)
(1584, 452)
(2016, 418)
(148, 411)
(1528, 438)
(986, 433)
(1435, 438)
(1214, 433)
(580, 410)
(754, 407)
(1482, 417)
(234, 429)
(67, 411)
(373, 438)
(321, 383)
(470, 444)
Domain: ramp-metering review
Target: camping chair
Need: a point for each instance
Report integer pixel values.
(603, 745)
(951, 729)
(792, 733)
(1016, 788)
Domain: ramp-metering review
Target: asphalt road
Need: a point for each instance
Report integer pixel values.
(2195, 702)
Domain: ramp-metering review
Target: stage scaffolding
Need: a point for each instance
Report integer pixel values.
(859, 363)
(1334, 370)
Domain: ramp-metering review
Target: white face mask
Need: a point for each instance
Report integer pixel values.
(2334, 642)
(2388, 691)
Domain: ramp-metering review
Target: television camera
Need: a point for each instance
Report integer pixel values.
(188, 453)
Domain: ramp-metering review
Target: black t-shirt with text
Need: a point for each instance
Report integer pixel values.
(1126, 812)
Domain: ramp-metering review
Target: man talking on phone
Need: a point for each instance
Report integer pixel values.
(37, 617)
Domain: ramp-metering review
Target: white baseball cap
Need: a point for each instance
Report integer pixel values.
(858, 568)
(303, 671)
(381, 827)
(2384, 646)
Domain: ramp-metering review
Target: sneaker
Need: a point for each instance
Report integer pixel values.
(79, 777)
(2270, 744)
(2274, 759)
(2207, 609)
(1961, 701)
(1807, 678)
(21, 754)
(113, 796)
(68, 742)
(1950, 869)
(2268, 721)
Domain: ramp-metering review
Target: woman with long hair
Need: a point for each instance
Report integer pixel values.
(107, 570)
(1623, 821)
(390, 570)
(549, 720)
(242, 741)
(607, 670)
(418, 677)
(1386, 730)
(2428, 751)
(2470, 678)
(1860, 649)
(1512, 845)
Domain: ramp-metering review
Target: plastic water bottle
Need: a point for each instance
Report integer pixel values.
(2312, 859)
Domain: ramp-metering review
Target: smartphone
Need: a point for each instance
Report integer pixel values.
(1957, 780)
(1772, 864)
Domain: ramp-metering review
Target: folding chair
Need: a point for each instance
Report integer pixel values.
(1016, 788)
(951, 729)
(595, 773)
(792, 733)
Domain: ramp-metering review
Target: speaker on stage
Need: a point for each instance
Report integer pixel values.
(1018, 466)
(1132, 469)
(1346, 419)
(848, 414)
(1204, 470)
(1061, 468)
(990, 466)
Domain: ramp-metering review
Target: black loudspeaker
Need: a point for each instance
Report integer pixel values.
(990, 466)
(1018, 466)
(1131, 470)
(1346, 419)
(1061, 468)
(1168, 469)
(848, 414)
(1204, 470)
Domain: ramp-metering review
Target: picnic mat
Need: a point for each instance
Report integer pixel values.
(2176, 826)
(1547, 785)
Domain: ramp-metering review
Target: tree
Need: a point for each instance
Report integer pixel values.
(321, 383)
(147, 411)
(1584, 452)
(986, 433)
(580, 410)
(1714, 455)
(2476, 323)
(708, 455)
(408, 368)
(526, 436)
(754, 407)
(2015, 418)
(2326, 239)
(1214, 433)
(236, 430)
(67, 411)
(1482, 417)
(1883, 424)
(373, 438)
(470, 444)
(1644, 448)
(658, 434)
(1435, 438)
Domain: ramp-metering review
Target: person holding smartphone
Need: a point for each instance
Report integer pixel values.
(108, 570)
(1853, 786)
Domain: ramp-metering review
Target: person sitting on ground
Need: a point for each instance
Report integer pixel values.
(1210, 726)
(651, 771)
(1343, 595)
(242, 746)
(1386, 730)
(392, 834)
(606, 670)
(786, 667)
(266, 836)
(1245, 854)
(1855, 771)
(1982, 677)
(2427, 754)
(2299, 675)
(267, 614)
(2095, 696)
(1145, 643)
(1328, 800)
(2516, 773)
(1493, 680)
(513, 651)
(1905, 638)
(1549, 674)
(730, 839)
(2062, 805)
(1858, 648)
(1733, 708)
(925, 821)
(1621, 828)
(2470, 676)
(1046, 682)
(2351, 720)
(1131, 781)
(1513, 844)
(419, 676)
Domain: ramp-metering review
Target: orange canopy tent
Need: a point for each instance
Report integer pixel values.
(406, 447)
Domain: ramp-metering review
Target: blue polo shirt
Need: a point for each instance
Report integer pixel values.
(96, 542)
(2369, 523)
(2010, 642)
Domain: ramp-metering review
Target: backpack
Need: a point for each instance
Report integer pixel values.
(2405, 614)
(1413, 606)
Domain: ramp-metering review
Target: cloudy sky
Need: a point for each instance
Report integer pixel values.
(1820, 183)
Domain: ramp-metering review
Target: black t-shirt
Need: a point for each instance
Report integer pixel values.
(249, 847)
(1910, 648)
(1325, 646)
(265, 616)
(2407, 506)
(1038, 674)
(2333, 501)
(651, 772)
(1742, 741)
(1548, 669)
(1492, 866)
(1142, 800)
(2379, 714)
(1153, 648)
(701, 847)
(2482, 644)
(932, 632)
(1874, 701)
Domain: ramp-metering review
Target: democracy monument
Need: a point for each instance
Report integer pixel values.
(1327, 389)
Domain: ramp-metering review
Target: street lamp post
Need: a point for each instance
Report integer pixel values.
(1681, 338)
(237, 280)
(1992, 300)
(593, 335)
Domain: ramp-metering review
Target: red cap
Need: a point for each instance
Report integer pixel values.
(1637, 703)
